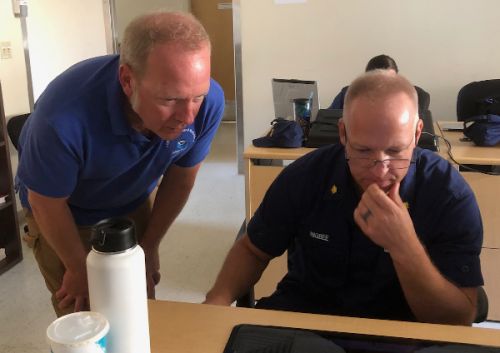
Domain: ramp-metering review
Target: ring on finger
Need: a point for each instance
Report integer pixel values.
(366, 215)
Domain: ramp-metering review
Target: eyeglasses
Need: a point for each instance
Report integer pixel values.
(390, 163)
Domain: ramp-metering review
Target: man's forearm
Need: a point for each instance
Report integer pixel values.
(163, 214)
(242, 268)
(58, 227)
(173, 193)
(432, 297)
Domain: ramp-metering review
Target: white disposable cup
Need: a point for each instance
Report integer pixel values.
(80, 332)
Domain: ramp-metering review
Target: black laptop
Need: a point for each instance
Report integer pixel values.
(247, 338)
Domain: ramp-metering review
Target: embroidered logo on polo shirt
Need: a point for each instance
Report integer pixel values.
(183, 142)
(319, 236)
(181, 145)
(191, 132)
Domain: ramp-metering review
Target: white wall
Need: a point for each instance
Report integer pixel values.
(13, 71)
(126, 10)
(439, 45)
(62, 33)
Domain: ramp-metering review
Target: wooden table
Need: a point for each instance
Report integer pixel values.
(199, 328)
(466, 152)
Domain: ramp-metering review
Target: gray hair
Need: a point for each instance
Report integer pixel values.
(160, 27)
(380, 83)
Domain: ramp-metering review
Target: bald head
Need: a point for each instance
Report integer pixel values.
(378, 86)
(180, 29)
(380, 123)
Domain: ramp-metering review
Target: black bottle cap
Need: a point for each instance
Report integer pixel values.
(113, 235)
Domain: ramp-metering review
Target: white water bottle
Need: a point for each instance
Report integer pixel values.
(117, 285)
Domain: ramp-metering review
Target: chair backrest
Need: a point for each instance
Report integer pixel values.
(482, 305)
(424, 100)
(14, 127)
(470, 99)
(428, 139)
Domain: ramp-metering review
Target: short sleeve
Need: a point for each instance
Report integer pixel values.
(49, 163)
(456, 250)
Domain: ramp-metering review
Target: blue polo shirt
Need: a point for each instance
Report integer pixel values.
(78, 144)
(332, 266)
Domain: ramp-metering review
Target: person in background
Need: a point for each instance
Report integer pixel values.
(105, 134)
(374, 226)
(384, 62)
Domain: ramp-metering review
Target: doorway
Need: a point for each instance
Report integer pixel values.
(217, 17)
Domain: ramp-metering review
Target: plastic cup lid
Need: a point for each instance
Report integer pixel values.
(78, 328)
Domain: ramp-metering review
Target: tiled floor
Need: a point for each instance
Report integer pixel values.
(191, 253)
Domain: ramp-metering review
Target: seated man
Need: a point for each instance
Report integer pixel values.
(387, 63)
(374, 227)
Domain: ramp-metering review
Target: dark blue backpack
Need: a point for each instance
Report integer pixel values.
(484, 129)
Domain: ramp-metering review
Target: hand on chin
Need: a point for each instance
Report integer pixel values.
(385, 185)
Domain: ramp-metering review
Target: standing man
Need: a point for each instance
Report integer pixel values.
(374, 227)
(104, 134)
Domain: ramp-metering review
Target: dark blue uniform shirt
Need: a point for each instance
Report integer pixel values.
(332, 266)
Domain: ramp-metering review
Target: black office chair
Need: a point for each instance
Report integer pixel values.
(14, 127)
(428, 139)
(424, 100)
(471, 99)
(482, 306)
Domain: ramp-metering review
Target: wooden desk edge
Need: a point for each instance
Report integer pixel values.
(167, 316)
(467, 152)
(252, 152)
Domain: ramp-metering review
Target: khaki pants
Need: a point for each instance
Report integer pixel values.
(50, 265)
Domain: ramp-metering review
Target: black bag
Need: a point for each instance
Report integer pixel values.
(284, 133)
(483, 130)
(324, 130)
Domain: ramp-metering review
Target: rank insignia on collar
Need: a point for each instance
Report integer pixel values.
(407, 205)
(333, 189)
